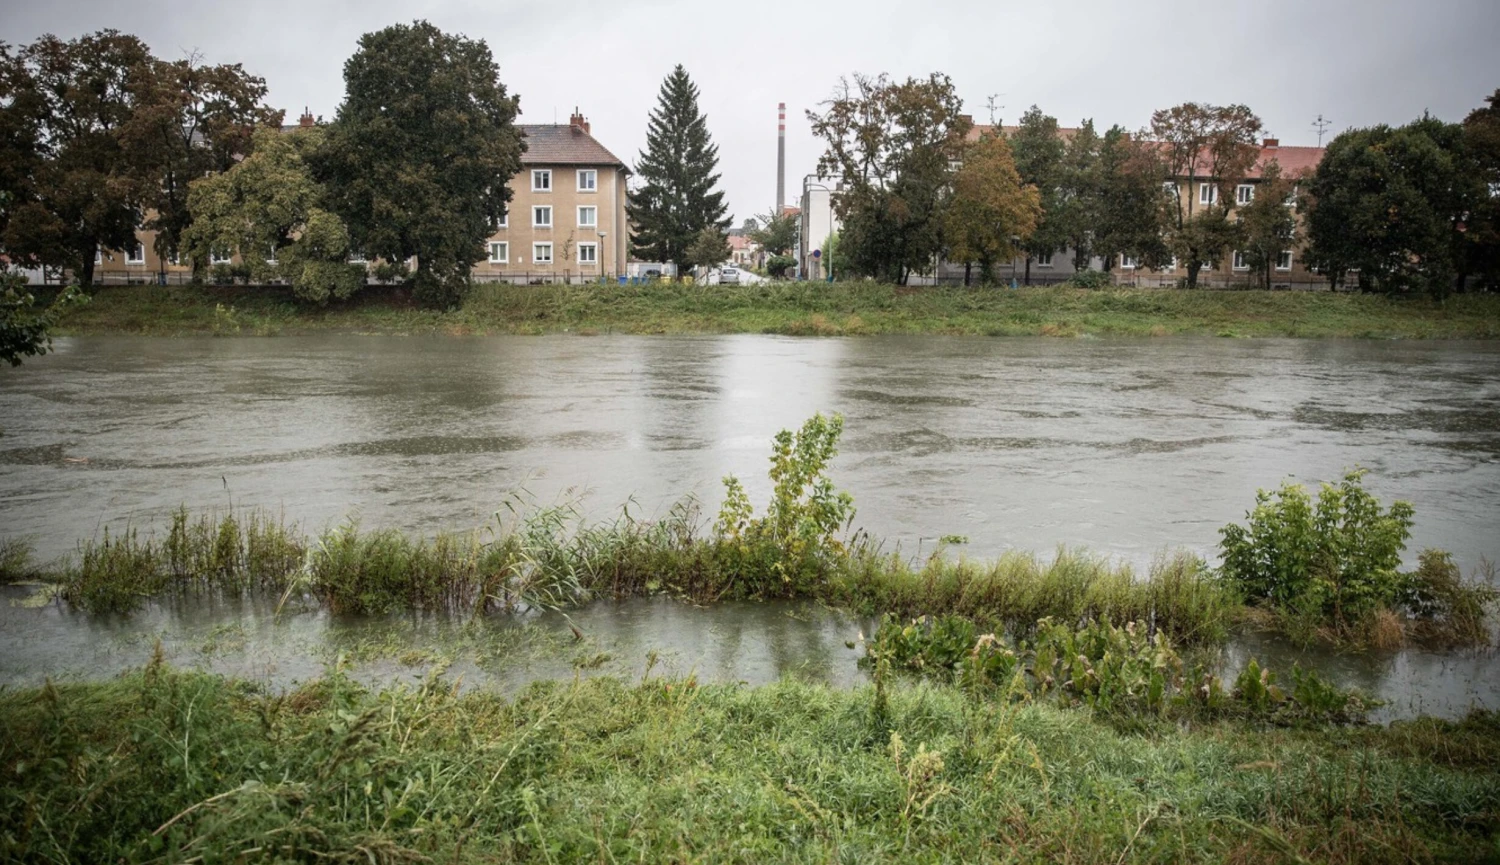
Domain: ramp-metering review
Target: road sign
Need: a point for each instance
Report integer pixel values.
(817, 253)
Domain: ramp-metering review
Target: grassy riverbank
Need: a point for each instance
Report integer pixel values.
(791, 308)
(163, 765)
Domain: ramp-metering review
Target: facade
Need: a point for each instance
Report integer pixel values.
(566, 221)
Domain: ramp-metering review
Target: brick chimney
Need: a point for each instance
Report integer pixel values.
(578, 121)
(306, 120)
(1272, 143)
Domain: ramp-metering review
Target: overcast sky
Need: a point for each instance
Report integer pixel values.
(1357, 62)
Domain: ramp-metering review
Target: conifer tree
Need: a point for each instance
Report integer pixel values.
(678, 198)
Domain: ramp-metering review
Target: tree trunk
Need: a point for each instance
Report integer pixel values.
(968, 268)
(1192, 273)
(1028, 270)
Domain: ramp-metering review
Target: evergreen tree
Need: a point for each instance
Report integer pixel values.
(678, 199)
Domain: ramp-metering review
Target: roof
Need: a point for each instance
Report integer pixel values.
(1294, 161)
(559, 144)
(979, 130)
(739, 241)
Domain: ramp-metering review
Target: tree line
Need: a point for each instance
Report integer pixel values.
(1401, 210)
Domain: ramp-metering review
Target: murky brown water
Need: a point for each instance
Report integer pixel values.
(1127, 447)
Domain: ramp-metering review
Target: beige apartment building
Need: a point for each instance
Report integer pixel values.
(566, 220)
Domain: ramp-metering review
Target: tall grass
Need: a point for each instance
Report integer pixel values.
(168, 766)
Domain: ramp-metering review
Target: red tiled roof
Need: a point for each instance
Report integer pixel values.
(558, 144)
(739, 241)
(1294, 161)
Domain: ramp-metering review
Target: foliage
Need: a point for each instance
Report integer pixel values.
(1038, 149)
(1076, 204)
(1337, 558)
(1391, 203)
(991, 211)
(1208, 144)
(419, 158)
(890, 145)
(710, 248)
(1449, 610)
(23, 328)
(776, 232)
(1268, 224)
(779, 266)
(677, 200)
(1130, 211)
(1090, 279)
(1480, 254)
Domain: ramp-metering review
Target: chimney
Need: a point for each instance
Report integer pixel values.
(1272, 143)
(780, 157)
(306, 120)
(578, 121)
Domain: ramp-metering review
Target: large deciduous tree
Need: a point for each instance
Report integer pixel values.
(776, 232)
(1393, 204)
(710, 248)
(1211, 144)
(1481, 248)
(421, 152)
(1038, 149)
(891, 145)
(72, 185)
(992, 212)
(1130, 209)
(192, 120)
(1076, 202)
(678, 197)
(1268, 224)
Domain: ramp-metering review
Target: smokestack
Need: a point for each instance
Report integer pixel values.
(780, 157)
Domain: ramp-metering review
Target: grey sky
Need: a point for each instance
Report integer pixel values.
(1357, 62)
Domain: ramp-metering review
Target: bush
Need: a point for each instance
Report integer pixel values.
(1337, 560)
(1448, 609)
(1094, 279)
(778, 265)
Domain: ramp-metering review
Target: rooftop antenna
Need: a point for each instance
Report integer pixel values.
(1321, 125)
(990, 101)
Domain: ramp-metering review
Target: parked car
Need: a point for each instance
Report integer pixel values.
(729, 276)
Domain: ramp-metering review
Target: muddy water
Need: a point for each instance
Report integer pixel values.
(1127, 447)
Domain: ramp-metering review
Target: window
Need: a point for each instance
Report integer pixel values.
(588, 180)
(220, 256)
(588, 217)
(1244, 193)
(588, 253)
(499, 252)
(1172, 189)
(136, 253)
(503, 221)
(1284, 260)
(955, 165)
(98, 256)
(541, 253)
(175, 258)
(271, 257)
(1291, 198)
(1207, 193)
(1239, 262)
(541, 216)
(1044, 260)
(357, 257)
(1127, 262)
(541, 180)
(1169, 266)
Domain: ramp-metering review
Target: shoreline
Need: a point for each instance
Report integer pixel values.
(789, 309)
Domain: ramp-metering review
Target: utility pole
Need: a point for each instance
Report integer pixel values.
(1321, 125)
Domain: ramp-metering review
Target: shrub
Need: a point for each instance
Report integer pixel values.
(1338, 559)
(1093, 279)
(1447, 608)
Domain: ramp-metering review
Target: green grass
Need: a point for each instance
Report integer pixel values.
(168, 766)
(852, 308)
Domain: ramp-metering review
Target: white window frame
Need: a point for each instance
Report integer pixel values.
(1169, 266)
(1244, 193)
(271, 259)
(538, 210)
(593, 253)
(537, 250)
(1128, 262)
(1286, 255)
(1237, 261)
(98, 256)
(215, 258)
(1291, 197)
(357, 257)
(541, 180)
(504, 220)
(593, 223)
(504, 247)
(134, 260)
(1044, 260)
(588, 180)
(1208, 193)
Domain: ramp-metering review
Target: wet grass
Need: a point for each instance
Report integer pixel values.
(811, 309)
(162, 765)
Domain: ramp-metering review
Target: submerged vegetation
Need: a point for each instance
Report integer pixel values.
(169, 766)
(808, 309)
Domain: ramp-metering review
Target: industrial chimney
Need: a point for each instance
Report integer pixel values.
(780, 157)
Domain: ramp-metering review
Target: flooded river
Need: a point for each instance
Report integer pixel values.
(1127, 447)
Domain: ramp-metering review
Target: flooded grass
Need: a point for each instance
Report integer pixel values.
(162, 765)
(812, 309)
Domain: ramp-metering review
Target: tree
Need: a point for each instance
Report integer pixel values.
(72, 185)
(1213, 144)
(991, 212)
(777, 233)
(1076, 202)
(710, 248)
(1039, 149)
(421, 152)
(1391, 204)
(192, 120)
(23, 328)
(892, 146)
(271, 210)
(1268, 224)
(1130, 209)
(1481, 247)
(678, 198)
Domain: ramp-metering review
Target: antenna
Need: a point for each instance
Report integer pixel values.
(990, 102)
(1321, 125)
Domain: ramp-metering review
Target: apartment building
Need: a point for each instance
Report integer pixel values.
(566, 220)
